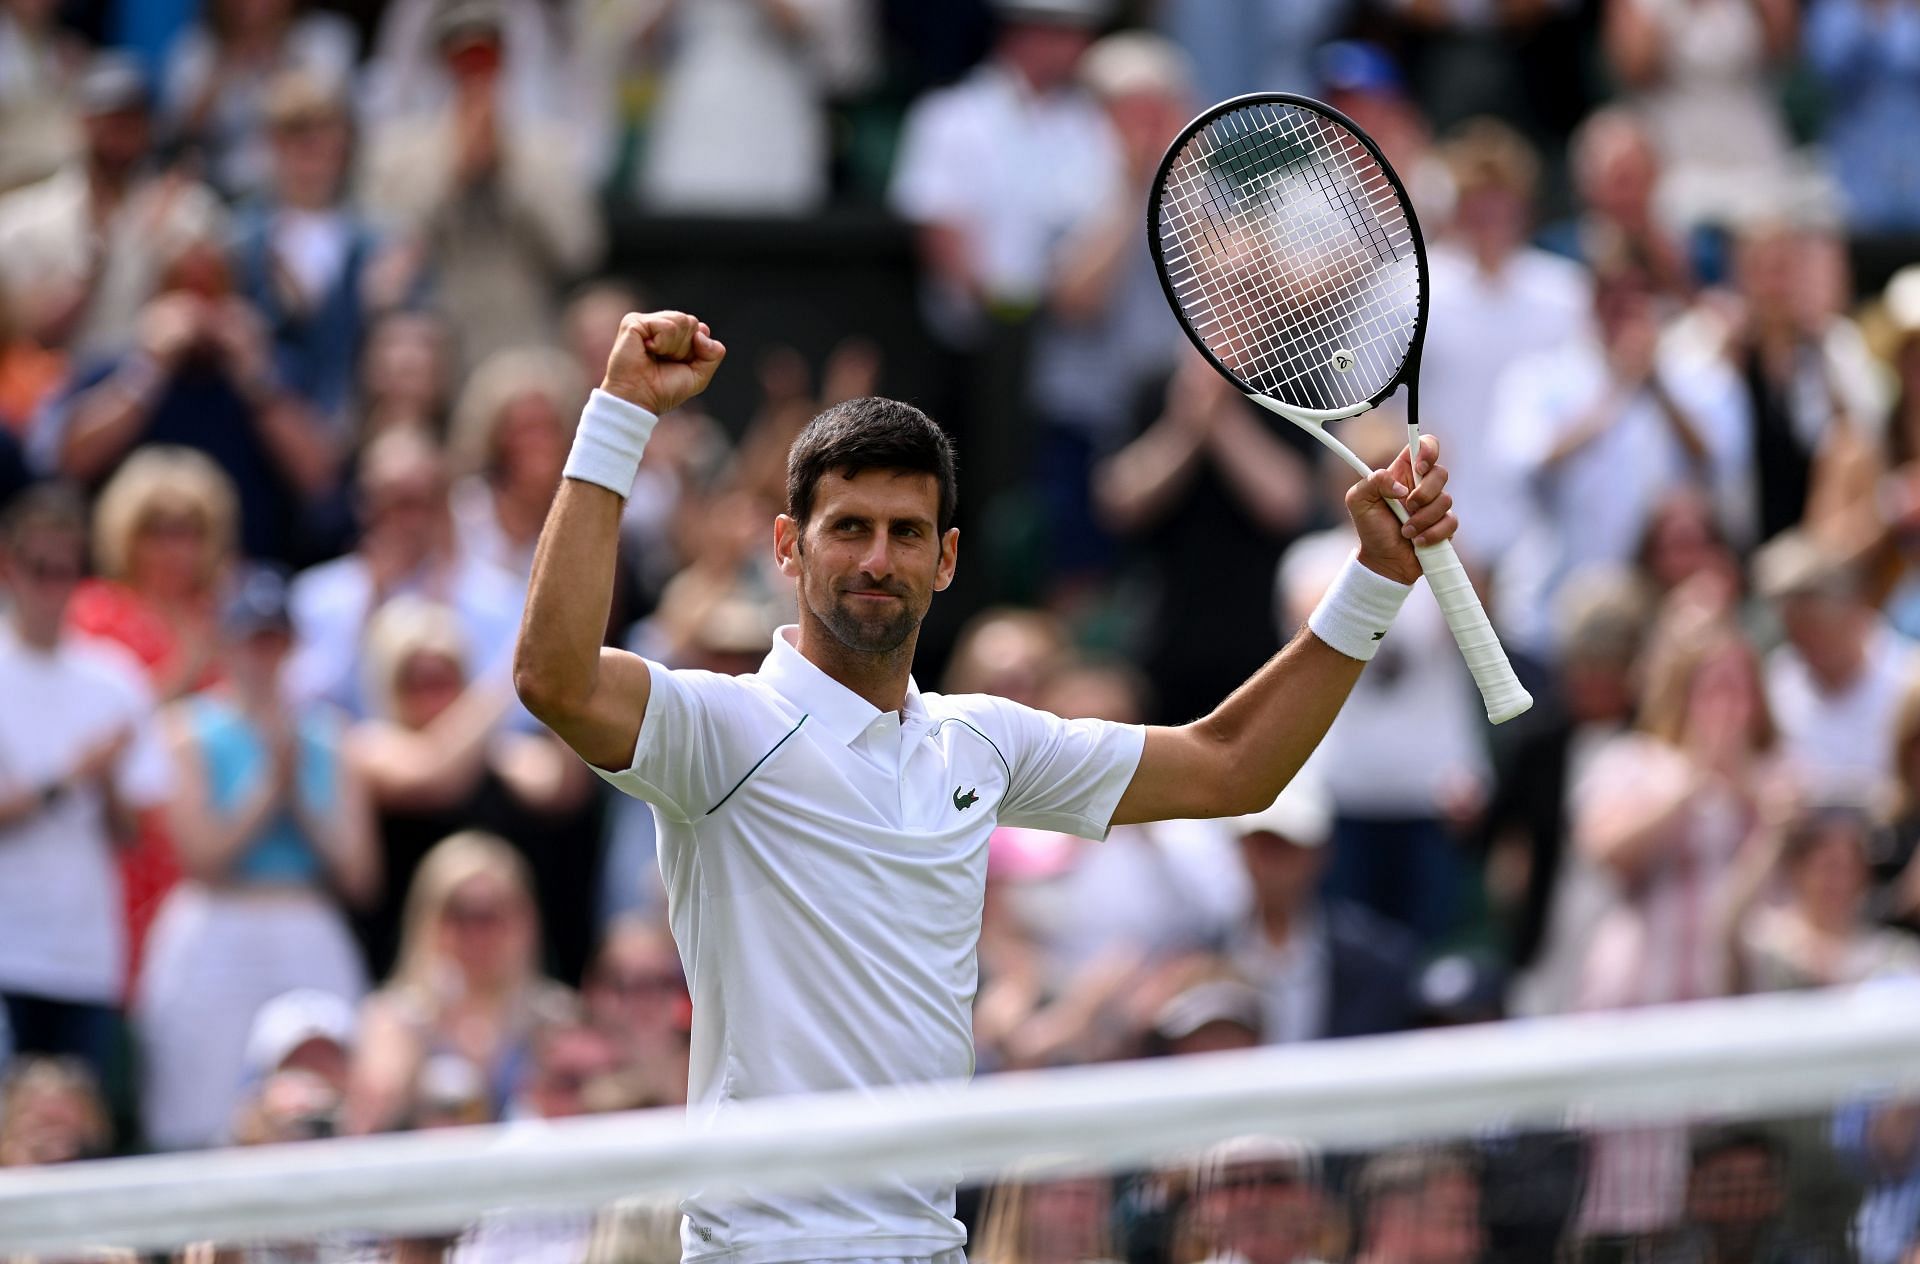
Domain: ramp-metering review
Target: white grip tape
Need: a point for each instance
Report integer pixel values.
(607, 447)
(1357, 609)
(1500, 689)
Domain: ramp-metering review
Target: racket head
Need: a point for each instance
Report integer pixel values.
(1289, 251)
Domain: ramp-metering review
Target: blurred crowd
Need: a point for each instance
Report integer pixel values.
(298, 305)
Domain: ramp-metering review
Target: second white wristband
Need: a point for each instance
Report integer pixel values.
(608, 445)
(1357, 610)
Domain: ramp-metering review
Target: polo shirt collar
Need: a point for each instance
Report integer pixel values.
(831, 707)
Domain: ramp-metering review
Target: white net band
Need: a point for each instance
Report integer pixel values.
(1726, 1059)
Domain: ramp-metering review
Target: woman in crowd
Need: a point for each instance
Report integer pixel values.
(51, 1111)
(274, 833)
(636, 993)
(468, 982)
(1818, 934)
(1664, 810)
(511, 430)
(438, 759)
(1063, 1221)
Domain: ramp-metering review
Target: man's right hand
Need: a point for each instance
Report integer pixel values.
(661, 360)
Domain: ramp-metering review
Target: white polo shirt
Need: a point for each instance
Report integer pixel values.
(825, 864)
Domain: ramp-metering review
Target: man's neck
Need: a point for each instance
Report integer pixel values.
(39, 640)
(879, 678)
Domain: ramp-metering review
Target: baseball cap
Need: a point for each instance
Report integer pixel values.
(1273, 1154)
(1203, 1004)
(1303, 814)
(293, 1018)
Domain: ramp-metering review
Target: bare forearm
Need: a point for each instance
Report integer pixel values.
(1133, 487)
(106, 420)
(1265, 475)
(299, 444)
(557, 660)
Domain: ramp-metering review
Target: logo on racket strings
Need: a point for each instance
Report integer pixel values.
(1344, 360)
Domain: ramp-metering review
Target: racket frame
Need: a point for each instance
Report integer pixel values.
(1503, 694)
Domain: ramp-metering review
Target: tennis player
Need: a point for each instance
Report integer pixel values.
(823, 823)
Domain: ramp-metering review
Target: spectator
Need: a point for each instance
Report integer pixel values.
(1867, 55)
(437, 760)
(1616, 173)
(636, 993)
(286, 1107)
(80, 758)
(741, 126)
(1813, 391)
(52, 1111)
(1558, 894)
(1881, 1140)
(38, 60)
(1495, 300)
(1896, 874)
(1259, 1200)
(1398, 830)
(1685, 546)
(503, 214)
(1325, 967)
(407, 547)
(1818, 935)
(1618, 400)
(1665, 810)
(309, 261)
(270, 823)
(1736, 1194)
(1266, 46)
(1701, 73)
(554, 73)
(1419, 1205)
(511, 430)
(406, 376)
(1008, 652)
(202, 377)
(1364, 82)
(165, 529)
(81, 250)
(1105, 334)
(164, 534)
(29, 372)
(219, 74)
(1209, 1015)
(1209, 467)
(1061, 1221)
(996, 170)
(468, 982)
(1836, 684)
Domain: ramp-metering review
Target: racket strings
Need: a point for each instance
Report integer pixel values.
(1284, 242)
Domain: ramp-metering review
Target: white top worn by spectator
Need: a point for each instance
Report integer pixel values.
(1840, 745)
(59, 891)
(1594, 506)
(825, 866)
(741, 125)
(1016, 170)
(1418, 671)
(1481, 325)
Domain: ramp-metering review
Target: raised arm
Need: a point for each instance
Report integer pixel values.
(595, 697)
(1238, 758)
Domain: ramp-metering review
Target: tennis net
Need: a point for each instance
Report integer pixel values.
(1774, 1129)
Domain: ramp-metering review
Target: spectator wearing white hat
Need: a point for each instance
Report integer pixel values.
(1323, 967)
(1261, 1200)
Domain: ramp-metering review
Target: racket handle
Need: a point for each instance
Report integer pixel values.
(1500, 689)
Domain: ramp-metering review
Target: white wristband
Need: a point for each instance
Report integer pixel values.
(1357, 610)
(607, 446)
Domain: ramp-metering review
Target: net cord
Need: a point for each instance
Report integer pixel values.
(1742, 1058)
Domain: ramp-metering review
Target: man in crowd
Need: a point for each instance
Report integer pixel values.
(80, 754)
(1419, 1205)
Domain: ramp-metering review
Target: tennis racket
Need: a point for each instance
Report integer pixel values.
(1289, 251)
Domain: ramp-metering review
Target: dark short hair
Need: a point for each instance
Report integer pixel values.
(1711, 1142)
(43, 507)
(1408, 1170)
(870, 434)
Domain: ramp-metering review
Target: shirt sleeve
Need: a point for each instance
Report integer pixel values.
(1065, 775)
(693, 745)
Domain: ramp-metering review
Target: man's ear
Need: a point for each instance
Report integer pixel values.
(786, 546)
(949, 559)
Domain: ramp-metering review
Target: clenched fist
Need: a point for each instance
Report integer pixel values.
(661, 360)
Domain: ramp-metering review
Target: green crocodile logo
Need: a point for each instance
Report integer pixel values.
(967, 800)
